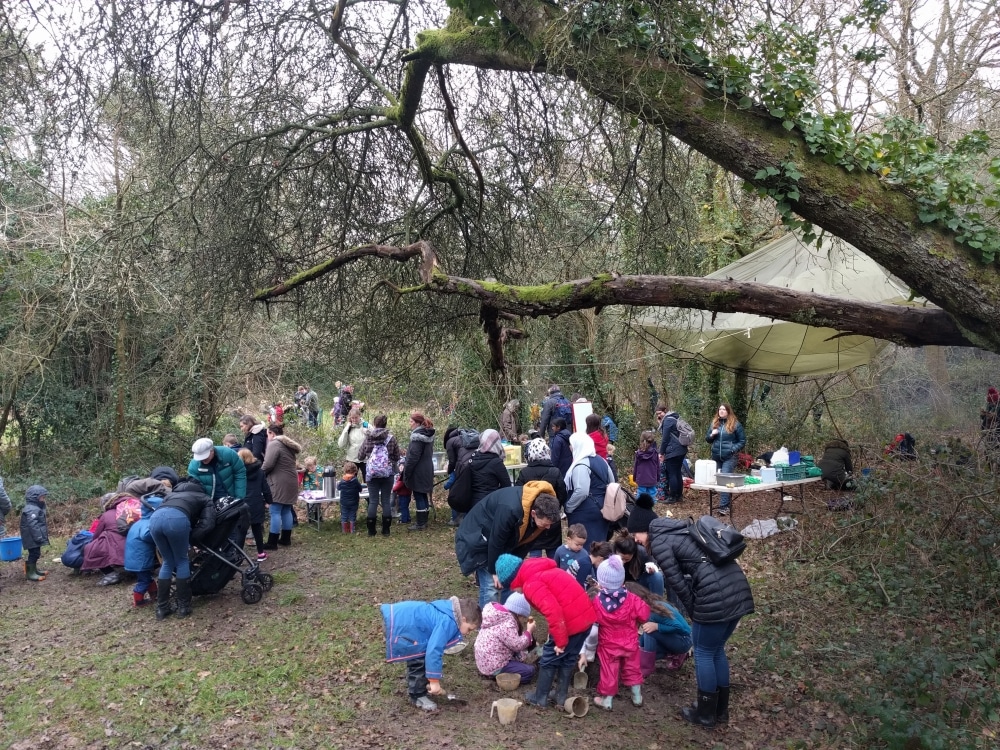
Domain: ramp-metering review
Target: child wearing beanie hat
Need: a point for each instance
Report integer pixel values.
(507, 567)
(506, 636)
(619, 613)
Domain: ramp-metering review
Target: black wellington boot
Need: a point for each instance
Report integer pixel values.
(272, 541)
(285, 540)
(162, 598)
(540, 697)
(386, 523)
(183, 597)
(702, 713)
(421, 524)
(370, 522)
(722, 709)
(565, 680)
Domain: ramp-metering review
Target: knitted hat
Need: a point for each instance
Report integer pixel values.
(611, 573)
(165, 472)
(506, 568)
(641, 515)
(517, 604)
(538, 450)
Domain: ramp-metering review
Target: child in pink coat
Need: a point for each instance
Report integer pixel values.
(619, 613)
(506, 634)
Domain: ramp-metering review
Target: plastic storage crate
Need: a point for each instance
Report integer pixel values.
(791, 473)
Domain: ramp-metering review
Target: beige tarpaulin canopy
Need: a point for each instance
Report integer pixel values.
(773, 347)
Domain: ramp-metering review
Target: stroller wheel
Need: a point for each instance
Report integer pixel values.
(252, 593)
(266, 580)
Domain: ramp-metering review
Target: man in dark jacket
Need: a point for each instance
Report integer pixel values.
(672, 455)
(501, 522)
(716, 597)
(837, 465)
(562, 454)
(549, 404)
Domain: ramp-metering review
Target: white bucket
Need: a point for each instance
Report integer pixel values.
(506, 709)
(768, 476)
(704, 472)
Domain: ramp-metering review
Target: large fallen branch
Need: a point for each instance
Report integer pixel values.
(903, 325)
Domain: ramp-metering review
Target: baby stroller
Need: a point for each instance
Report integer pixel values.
(221, 556)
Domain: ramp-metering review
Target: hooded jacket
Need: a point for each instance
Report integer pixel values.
(836, 461)
(258, 492)
(670, 440)
(351, 440)
(460, 444)
(710, 593)
(497, 524)
(646, 469)
(726, 443)
(616, 627)
(556, 594)
(34, 522)
(140, 549)
(421, 629)
(225, 475)
(499, 641)
(280, 469)
(189, 498)
(508, 420)
(418, 471)
(562, 454)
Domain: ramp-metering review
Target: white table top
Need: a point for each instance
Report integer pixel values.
(749, 488)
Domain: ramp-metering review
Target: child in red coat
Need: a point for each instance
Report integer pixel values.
(556, 594)
(619, 613)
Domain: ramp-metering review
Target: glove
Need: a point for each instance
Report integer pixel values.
(651, 567)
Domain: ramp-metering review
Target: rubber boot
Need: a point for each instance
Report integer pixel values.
(41, 572)
(285, 540)
(163, 599)
(540, 697)
(722, 708)
(421, 524)
(31, 572)
(386, 523)
(636, 695)
(139, 600)
(370, 523)
(183, 597)
(565, 680)
(272, 542)
(345, 527)
(152, 590)
(702, 713)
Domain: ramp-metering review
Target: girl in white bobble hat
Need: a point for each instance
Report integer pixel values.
(619, 614)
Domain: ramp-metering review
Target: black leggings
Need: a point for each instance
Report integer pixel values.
(379, 493)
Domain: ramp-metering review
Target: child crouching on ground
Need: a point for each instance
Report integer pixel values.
(619, 612)
(667, 634)
(420, 633)
(34, 530)
(350, 496)
(506, 634)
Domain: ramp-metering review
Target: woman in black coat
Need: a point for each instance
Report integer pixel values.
(487, 467)
(540, 467)
(715, 597)
(258, 494)
(418, 469)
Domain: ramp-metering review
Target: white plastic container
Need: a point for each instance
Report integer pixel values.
(704, 472)
(768, 476)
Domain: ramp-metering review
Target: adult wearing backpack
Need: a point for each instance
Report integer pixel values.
(381, 452)
(727, 439)
(554, 405)
(672, 453)
(588, 477)
(716, 597)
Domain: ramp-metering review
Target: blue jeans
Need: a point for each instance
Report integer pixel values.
(171, 531)
(142, 580)
(420, 498)
(646, 490)
(728, 467)
(487, 591)
(711, 667)
(653, 582)
(281, 518)
(404, 508)
(665, 644)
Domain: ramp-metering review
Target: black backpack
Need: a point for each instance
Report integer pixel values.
(719, 542)
(460, 493)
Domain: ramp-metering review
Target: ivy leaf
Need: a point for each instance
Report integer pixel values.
(788, 125)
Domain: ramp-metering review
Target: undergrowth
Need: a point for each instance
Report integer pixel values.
(889, 611)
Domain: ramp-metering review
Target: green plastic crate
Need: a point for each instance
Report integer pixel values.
(791, 473)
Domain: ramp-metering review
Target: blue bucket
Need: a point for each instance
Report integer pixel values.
(10, 548)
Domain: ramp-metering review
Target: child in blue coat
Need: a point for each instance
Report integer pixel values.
(140, 553)
(420, 633)
(350, 496)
